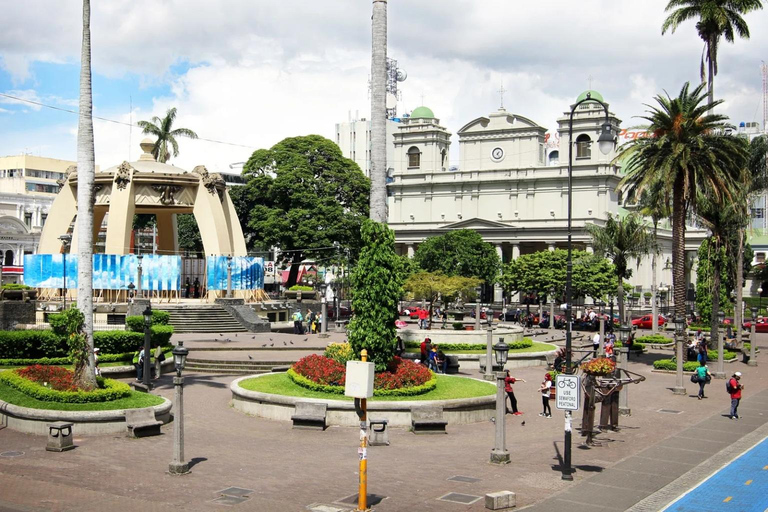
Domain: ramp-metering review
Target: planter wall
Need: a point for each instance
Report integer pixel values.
(509, 334)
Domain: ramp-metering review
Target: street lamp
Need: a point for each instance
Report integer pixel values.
(229, 277)
(478, 291)
(66, 239)
(720, 373)
(753, 339)
(760, 298)
(140, 258)
(147, 348)
(499, 454)
(177, 465)
(680, 326)
(552, 309)
(489, 347)
(624, 331)
(606, 143)
(131, 287)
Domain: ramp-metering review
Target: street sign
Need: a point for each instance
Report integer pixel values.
(568, 390)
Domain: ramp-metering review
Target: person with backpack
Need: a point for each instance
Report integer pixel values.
(545, 390)
(734, 387)
(702, 377)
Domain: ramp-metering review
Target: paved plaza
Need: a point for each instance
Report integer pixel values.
(664, 449)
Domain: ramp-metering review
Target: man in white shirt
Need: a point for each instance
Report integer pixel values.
(595, 343)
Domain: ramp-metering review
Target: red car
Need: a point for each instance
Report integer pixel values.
(644, 322)
(761, 326)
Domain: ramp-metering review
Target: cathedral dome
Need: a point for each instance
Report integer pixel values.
(422, 113)
(593, 94)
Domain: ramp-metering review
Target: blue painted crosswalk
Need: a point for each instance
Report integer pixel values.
(741, 486)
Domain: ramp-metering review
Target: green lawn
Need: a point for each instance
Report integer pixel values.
(134, 401)
(536, 347)
(447, 388)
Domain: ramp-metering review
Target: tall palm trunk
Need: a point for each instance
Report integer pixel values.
(678, 259)
(711, 49)
(714, 321)
(654, 301)
(378, 200)
(620, 300)
(737, 316)
(85, 176)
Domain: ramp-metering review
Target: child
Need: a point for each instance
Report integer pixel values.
(545, 388)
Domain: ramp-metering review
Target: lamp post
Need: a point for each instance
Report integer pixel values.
(323, 309)
(131, 287)
(760, 299)
(601, 343)
(489, 348)
(177, 465)
(478, 291)
(680, 326)
(229, 277)
(499, 454)
(624, 333)
(551, 309)
(66, 239)
(140, 258)
(753, 339)
(147, 348)
(720, 373)
(606, 143)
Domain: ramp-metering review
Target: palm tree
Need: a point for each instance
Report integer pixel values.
(622, 240)
(689, 150)
(162, 129)
(85, 198)
(379, 113)
(653, 204)
(716, 19)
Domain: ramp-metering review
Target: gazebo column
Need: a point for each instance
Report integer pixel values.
(98, 218)
(167, 233)
(209, 214)
(65, 208)
(237, 240)
(120, 223)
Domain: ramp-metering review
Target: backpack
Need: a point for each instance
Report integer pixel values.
(729, 387)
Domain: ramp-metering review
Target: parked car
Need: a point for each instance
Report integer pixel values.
(762, 325)
(645, 321)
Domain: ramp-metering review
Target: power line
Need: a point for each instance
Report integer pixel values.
(69, 111)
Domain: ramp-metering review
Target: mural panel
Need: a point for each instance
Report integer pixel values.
(247, 273)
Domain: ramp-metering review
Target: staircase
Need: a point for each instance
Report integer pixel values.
(209, 318)
(233, 367)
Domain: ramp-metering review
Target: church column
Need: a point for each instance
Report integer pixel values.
(515, 251)
(411, 250)
(498, 294)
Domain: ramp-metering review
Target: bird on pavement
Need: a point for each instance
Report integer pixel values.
(221, 335)
(284, 343)
(305, 339)
(271, 344)
(253, 337)
(291, 342)
(249, 357)
(264, 345)
(270, 339)
(523, 424)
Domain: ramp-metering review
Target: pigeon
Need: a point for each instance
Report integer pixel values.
(291, 342)
(270, 339)
(249, 357)
(523, 424)
(284, 343)
(305, 339)
(271, 344)
(253, 337)
(221, 335)
(264, 345)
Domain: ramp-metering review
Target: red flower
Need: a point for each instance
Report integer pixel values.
(54, 377)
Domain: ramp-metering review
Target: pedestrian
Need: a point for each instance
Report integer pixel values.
(196, 286)
(159, 358)
(96, 368)
(545, 390)
(508, 381)
(297, 319)
(423, 318)
(701, 355)
(734, 388)
(310, 318)
(187, 287)
(608, 346)
(595, 344)
(702, 377)
(399, 347)
(137, 364)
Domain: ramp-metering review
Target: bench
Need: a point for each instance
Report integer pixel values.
(428, 420)
(309, 416)
(495, 367)
(142, 422)
(379, 436)
(59, 437)
(550, 357)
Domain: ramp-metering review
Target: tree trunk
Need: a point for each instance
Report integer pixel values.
(678, 254)
(378, 200)
(714, 321)
(293, 274)
(737, 316)
(620, 301)
(654, 301)
(85, 176)
(711, 69)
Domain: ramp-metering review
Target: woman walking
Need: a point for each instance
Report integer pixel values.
(508, 381)
(702, 373)
(545, 390)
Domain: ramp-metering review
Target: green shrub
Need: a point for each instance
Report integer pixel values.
(339, 352)
(108, 390)
(136, 323)
(300, 288)
(515, 345)
(31, 344)
(458, 326)
(655, 339)
(47, 361)
(304, 382)
(690, 366)
(116, 342)
(16, 286)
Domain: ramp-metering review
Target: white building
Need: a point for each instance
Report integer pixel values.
(354, 139)
(510, 186)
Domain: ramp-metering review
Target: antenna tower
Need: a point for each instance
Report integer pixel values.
(394, 75)
(764, 69)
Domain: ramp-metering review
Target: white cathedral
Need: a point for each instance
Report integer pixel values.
(511, 186)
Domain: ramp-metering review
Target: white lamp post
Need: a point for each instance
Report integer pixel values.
(177, 465)
(499, 454)
(680, 326)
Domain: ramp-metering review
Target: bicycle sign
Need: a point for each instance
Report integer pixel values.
(567, 392)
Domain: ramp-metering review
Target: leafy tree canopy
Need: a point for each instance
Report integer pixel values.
(302, 194)
(462, 252)
(432, 285)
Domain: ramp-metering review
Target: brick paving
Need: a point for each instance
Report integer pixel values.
(289, 470)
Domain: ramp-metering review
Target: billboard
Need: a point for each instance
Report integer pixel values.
(247, 273)
(47, 270)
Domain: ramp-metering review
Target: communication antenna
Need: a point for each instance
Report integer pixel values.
(764, 69)
(394, 75)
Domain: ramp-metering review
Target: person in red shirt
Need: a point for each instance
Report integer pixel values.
(735, 393)
(423, 317)
(508, 381)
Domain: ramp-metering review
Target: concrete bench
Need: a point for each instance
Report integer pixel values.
(379, 433)
(309, 416)
(59, 437)
(428, 420)
(453, 364)
(495, 367)
(142, 422)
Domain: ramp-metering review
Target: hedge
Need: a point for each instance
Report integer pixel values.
(304, 382)
(58, 361)
(655, 339)
(515, 345)
(689, 366)
(47, 344)
(110, 390)
(136, 323)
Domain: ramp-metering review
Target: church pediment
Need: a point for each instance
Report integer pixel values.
(477, 224)
(496, 122)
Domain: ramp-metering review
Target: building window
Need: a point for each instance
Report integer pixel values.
(443, 159)
(43, 218)
(554, 158)
(760, 257)
(28, 219)
(8, 258)
(758, 213)
(583, 146)
(414, 157)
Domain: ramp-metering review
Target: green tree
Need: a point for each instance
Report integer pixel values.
(461, 252)
(434, 285)
(302, 195)
(189, 233)
(163, 130)
(376, 292)
(716, 19)
(622, 240)
(689, 150)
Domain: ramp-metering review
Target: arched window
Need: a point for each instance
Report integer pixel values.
(414, 157)
(8, 258)
(443, 159)
(583, 146)
(554, 158)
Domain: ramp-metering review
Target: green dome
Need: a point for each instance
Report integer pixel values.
(593, 94)
(422, 113)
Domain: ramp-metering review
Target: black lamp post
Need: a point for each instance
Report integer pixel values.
(753, 339)
(177, 465)
(499, 454)
(720, 373)
(760, 299)
(229, 277)
(478, 292)
(131, 287)
(680, 326)
(324, 309)
(66, 239)
(147, 348)
(606, 143)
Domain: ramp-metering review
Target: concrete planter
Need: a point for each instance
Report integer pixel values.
(342, 413)
(510, 334)
(34, 421)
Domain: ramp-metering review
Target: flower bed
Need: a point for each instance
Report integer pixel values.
(402, 378)
(52, 384)
(599, 366)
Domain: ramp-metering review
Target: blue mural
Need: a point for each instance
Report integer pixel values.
(110, 271)
(247, 273)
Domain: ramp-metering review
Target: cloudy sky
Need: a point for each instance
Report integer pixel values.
(251, 72)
